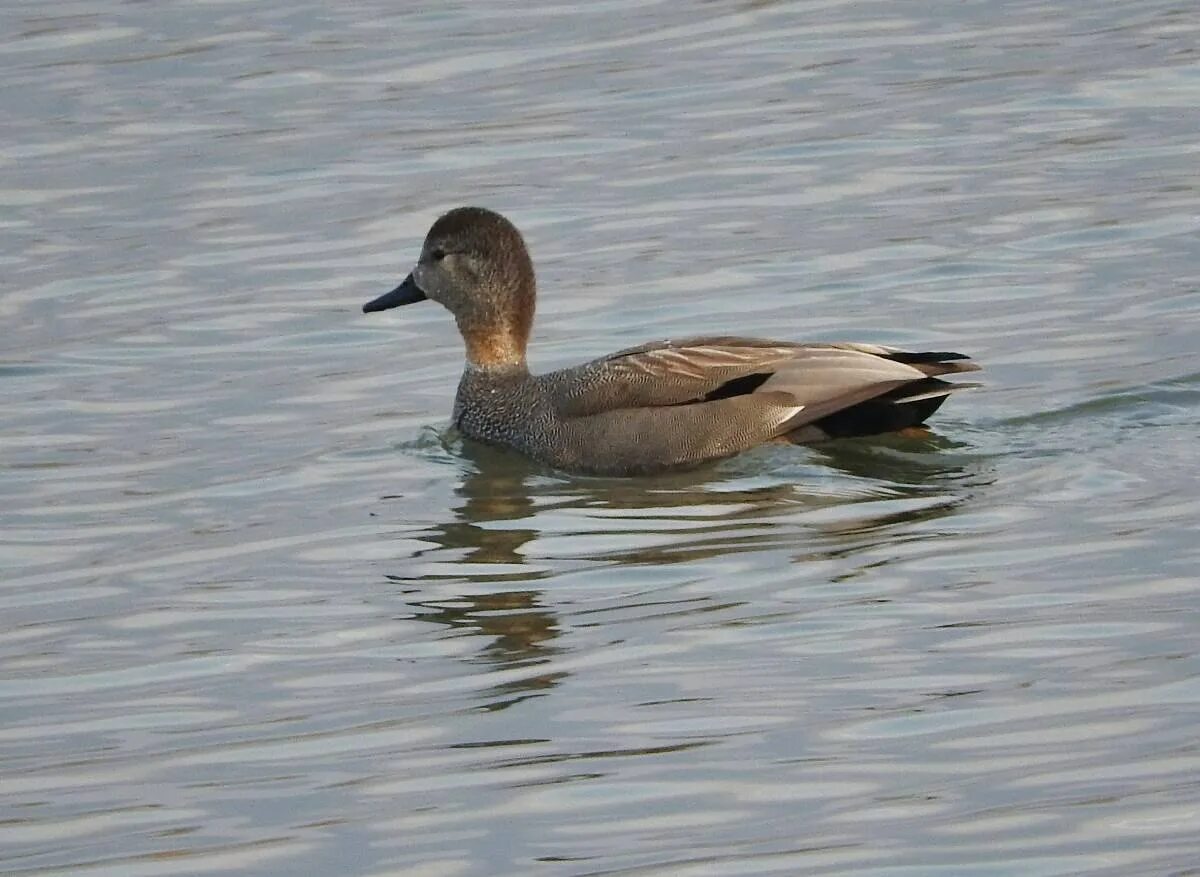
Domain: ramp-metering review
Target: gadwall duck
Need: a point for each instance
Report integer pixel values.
(660, 406)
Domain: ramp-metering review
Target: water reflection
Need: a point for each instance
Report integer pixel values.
(842, 487)
(520, 627)
(493, 490)
(512, 524)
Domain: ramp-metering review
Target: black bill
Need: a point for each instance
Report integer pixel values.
(406, 293)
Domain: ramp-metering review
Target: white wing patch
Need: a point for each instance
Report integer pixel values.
(787, 414)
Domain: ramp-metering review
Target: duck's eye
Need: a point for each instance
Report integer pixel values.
(437, 254)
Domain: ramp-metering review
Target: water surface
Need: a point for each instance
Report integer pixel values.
(263, 614)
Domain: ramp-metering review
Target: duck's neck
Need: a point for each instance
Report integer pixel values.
(495, 349)
(495, 329)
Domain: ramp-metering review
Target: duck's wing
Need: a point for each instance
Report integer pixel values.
(664, 373)
(820, 378)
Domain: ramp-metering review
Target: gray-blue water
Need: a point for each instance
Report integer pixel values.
(260, 614)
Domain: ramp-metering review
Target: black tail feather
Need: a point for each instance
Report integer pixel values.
(891, 411)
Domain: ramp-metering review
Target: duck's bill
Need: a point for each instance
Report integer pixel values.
(406, 293)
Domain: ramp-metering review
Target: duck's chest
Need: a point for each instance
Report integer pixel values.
(500, 411)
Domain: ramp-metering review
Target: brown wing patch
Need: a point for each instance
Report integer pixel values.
(699, 363)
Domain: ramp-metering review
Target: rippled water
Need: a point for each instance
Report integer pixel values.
(263, 615)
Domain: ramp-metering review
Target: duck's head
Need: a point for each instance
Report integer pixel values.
(475, 264)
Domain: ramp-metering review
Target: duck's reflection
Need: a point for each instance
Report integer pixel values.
(493, 490)
(920, 460)
(520, 629)
(815, 504)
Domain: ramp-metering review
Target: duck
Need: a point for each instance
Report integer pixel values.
(660, 406)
